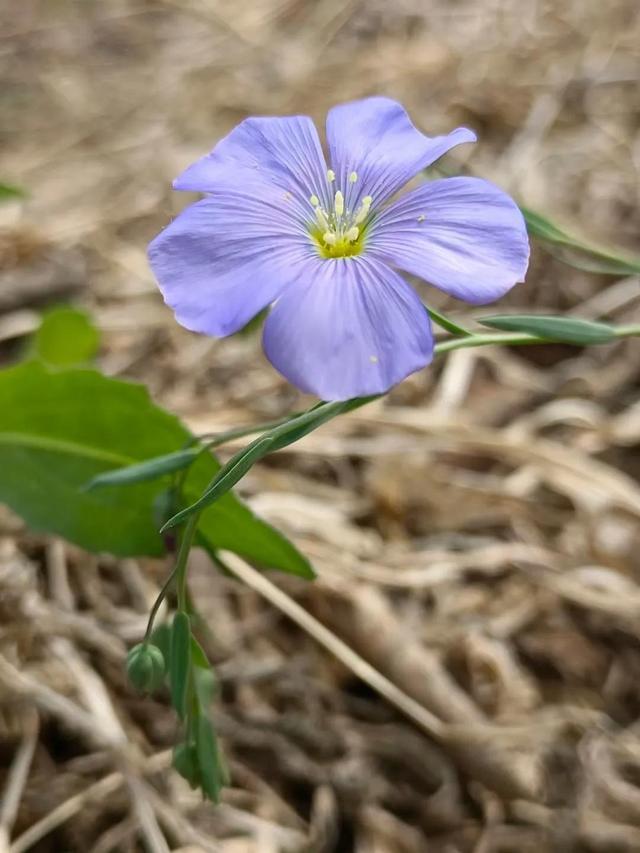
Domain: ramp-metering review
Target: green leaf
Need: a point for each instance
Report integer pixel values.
(9, 192)
(141, 472)
(606, 261)
(271, 441)
(180, 662)
(447, 324)
(566, 330)
(209, 761)
(66, 337)
(61, 428)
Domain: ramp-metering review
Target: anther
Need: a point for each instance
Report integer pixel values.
(363, 210)
(353, 177)
(315, 201)
(331, 175)
(352, 234)
(329, 238)
(338, 203)
(321, 216)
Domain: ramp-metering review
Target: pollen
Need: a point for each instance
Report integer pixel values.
(363, 210)
(338, 230)
(422, 217)
(373, 359)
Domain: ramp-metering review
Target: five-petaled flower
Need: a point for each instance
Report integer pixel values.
(321, 244)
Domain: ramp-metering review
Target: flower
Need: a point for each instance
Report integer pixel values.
(322, 244)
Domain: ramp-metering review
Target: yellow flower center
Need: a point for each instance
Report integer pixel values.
(339, 232)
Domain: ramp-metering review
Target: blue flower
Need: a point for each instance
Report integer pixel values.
(321, 244)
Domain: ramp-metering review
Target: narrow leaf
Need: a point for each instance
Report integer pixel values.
(180, 662)
(273, 440)
(447, 324)
(566, 330)
(606, 260)
(141, 472)
(211, 774)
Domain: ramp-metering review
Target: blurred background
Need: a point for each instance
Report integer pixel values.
(475, 534)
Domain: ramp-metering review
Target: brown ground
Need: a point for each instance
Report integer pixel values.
(476, 535)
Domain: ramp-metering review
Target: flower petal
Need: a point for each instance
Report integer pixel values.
(349, 327)
(283, 151)
(224, 259)
(464, 235)
(376, 139)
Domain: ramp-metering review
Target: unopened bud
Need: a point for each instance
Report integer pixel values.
(145, 667)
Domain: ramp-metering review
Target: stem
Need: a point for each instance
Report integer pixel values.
(628, 331)
(180, 570)
(179, 573)
(510, 339)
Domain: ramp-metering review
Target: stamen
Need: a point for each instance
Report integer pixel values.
(321, 216)
(338, 203)
(329, 238)
(331, 175)
(353, 177)
(363, 210)
(315, 201)
(353, 234)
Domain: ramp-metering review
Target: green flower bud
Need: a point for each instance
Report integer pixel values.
(145, 667)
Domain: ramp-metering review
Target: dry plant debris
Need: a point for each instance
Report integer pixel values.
(464, 676)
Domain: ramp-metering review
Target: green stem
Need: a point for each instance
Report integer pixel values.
(178, 573)
(180, 570)
(509, 339)
(628, 331)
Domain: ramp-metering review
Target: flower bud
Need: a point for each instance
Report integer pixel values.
(145, 667)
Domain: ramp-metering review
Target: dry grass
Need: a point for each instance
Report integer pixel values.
(464, 676)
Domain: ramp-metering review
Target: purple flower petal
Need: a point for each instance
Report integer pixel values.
(463, 235)
(284, 151)
(375, 139)
(350, 327)
(223, 259)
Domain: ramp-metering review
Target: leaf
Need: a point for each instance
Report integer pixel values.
(606, 261)
(211, 773)
(271, 441)
(447, 324)
(9, 192)
(66, 337)
(61, 428)
(180, 662)
(566, 330)
(141, 472)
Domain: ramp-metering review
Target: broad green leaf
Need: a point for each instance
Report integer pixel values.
(273, 440)
(66, 337)
(601, 260)
(141, 472)
(180, 662)
(61, 428)
(9, 192)
(566, 330)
